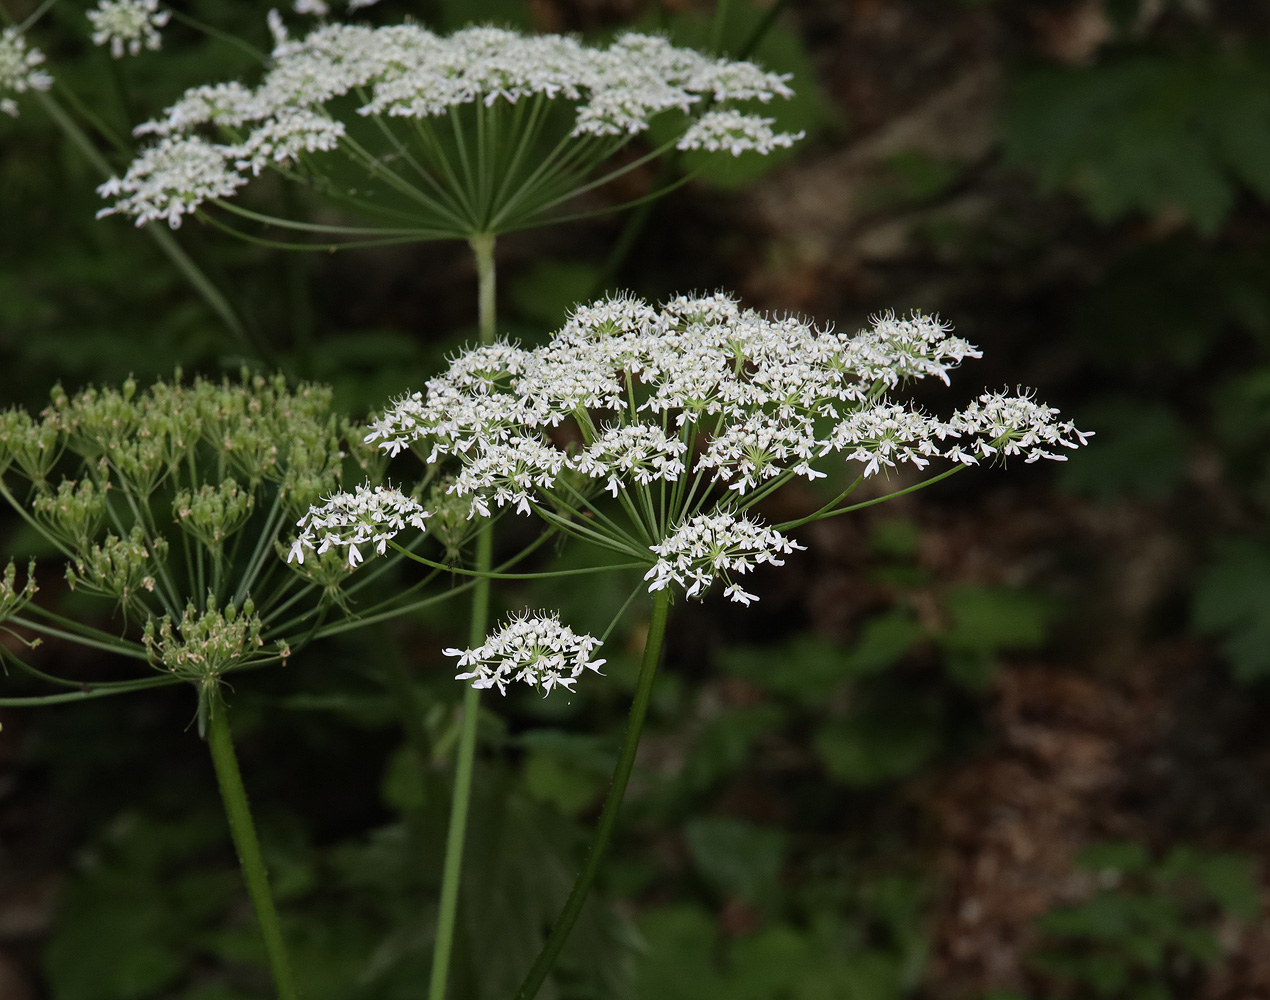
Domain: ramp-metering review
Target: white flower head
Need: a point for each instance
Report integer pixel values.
(172, 179)
(406, 71)
(732, 131)
(715, 545)
(19, 69)
(348, 520)
(536, 649)
(128, 25)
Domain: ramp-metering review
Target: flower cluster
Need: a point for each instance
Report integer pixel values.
(216, 136)
(319, 8)
(204, 644)
(19, 69)
(128, 25)
(716, 545)
(347, 520)
(672, 408)
(537, 650)
(12, 597)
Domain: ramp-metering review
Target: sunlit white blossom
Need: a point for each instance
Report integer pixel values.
(537, 649)
(371, 516)
(19, 69)
(128, 25)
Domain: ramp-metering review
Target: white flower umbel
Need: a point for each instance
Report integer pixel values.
(535, 649)
(366, 516)
(670, 409)
(128, 25)
(19, 69)
(715, 545)
(171, 180)
(474, 104)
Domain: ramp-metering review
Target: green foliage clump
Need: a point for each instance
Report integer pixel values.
(1151, 927)
(1148, 132)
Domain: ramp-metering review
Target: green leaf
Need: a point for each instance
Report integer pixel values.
(680, 942)
(882, 740)
(1140, 450)
(987, 620)
(547, 290)
(1232, 600)
(735, 856)
(1125, 858)
(884, 640)
(1147, 132)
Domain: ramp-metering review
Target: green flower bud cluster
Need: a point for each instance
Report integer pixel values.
(73, 514)
(449, 523)
(178, 496)
(12, 600)
(33, 445)
(213, 513)
(205, 642)
(121, 568)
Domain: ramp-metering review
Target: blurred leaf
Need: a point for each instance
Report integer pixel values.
(895, 537)
(1232, 600)
(722, 747)
(736, 856)
(1140, 450)
(678, 957)
(1148, 132)
(882, 739)
(1231, 880)
(985, 621)
(1171, 304)
(547, 290)
(1124, 858)
(129, 922)
(806, 669)
(884, 640)
(566, 770)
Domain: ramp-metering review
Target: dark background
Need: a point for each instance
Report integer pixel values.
(1005, 737)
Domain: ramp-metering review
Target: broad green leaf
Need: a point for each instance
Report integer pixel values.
(736, 856)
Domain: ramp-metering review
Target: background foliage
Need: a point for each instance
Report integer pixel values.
(1002, 739)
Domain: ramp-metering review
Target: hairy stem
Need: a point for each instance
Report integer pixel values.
(608, 817)
(483, 249)
(243, 830)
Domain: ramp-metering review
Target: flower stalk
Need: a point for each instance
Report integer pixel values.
(608, 817)
(243, 830)
(483, 250)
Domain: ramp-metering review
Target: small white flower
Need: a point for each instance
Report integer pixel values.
(535, 649)
(128, 25)
(365, 516)
(715, 545)
(19, 69)
(315, 7)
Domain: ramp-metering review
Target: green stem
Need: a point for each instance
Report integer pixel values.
(608, 817)
(243, 829)
(483, 249)
(166, 242)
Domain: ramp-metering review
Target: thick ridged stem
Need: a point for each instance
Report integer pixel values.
(243, 829)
